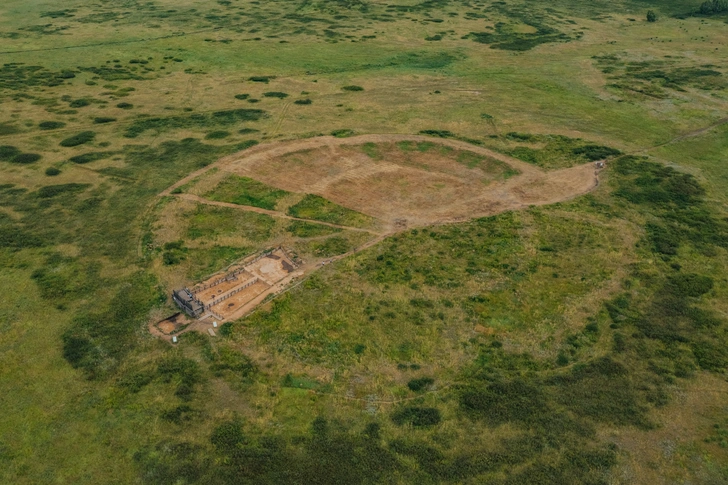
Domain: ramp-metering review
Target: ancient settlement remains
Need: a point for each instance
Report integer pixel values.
(224, 295)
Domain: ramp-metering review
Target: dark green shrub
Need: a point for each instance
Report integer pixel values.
(52, 171)
(343, 133)
(78, 351)
(186, 372)
(689, 284)
(227, 436)
(651, 16)
(596, 152)
(238, 363)
(26, 158)
(125, 105)
(420, 384)
(712, 7)
(195, 120)
(438, 133)
(79, 103)
(217, 135)
(275, 94)
(242, 96)
(417, 416)
(79, 139)
(261, 79)
(504, 401)
(8, 152)
(180, 414)
(90, 157)
(18, 238)
(527, 137)
(352, 88)
(54, 190)
(303, 101)
(51, 125)
(136, 381)
(102, 120)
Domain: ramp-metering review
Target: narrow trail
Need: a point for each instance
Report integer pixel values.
(281, 118)
(250, 208)
(685, 136)
(113, 42)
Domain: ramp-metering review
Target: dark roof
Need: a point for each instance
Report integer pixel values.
(183, 295)
(187, 299)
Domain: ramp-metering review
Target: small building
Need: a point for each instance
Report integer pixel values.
(187, 302)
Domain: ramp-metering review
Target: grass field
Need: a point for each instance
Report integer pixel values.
(580, 341)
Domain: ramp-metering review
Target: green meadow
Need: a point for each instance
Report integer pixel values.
(580, 342)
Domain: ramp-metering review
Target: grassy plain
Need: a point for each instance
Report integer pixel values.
(573, 336)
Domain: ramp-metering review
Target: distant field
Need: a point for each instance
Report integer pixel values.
(518, 325)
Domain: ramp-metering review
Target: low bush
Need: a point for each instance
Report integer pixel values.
(90, 157)
(217, 135)
(79, 139)
(417, 416)
(26, 158)
(352, 88)
(343, 133)
(55, 190)
(195, 120)
(79, 103)
(275, 94)
(596, 152)
(8, 152)
(420, 384)
(261, 79)
(438, 133)
(51, 125)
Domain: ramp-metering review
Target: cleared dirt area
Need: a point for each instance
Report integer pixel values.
(394, 178)
(224, 294)
(220, 289)
(228, 307)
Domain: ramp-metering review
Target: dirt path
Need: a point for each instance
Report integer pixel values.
(250, 208)
(684, 136)
(269, 150)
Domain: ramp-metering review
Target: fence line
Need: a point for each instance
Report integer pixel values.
(234, 274)
(234, 292)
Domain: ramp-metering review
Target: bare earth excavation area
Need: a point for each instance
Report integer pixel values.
(448, 182)
(400, 180)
